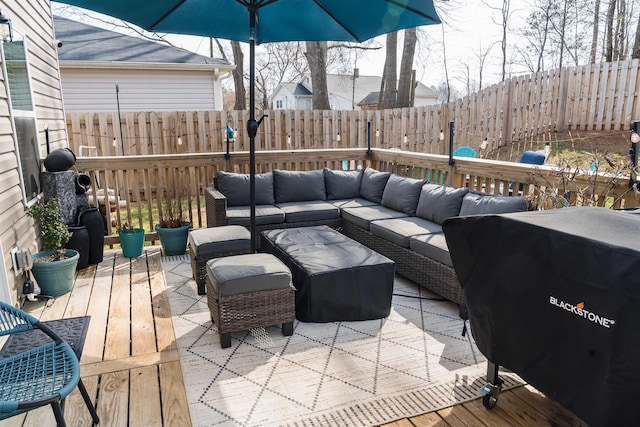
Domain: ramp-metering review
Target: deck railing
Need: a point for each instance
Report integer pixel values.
(138, 186)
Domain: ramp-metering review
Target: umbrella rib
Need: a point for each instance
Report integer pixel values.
(336, 20)
(173, 9)
(411, 9)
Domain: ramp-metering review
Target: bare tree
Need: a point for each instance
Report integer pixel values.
(611, 12)
(406, 82)
(594, 37)
(389, 76)
(238, 77)
(635, 51)
(317, 58)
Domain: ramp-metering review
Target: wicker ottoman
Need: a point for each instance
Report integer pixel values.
(215, 242)
(249, 291)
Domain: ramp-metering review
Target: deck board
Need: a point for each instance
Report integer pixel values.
(131, 367)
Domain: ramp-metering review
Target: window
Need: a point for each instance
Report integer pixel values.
(279, 104)
(23, 114)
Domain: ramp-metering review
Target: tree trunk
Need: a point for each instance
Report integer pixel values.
(317, 58)
(621, 37)
(611, 12)
(238, 77)
(594, 36)
(563, 30)
(390, 74)
(635, 52)
(505, 21)
(405, 82)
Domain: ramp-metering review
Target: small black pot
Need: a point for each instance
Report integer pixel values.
(83, 182)
(59, 160)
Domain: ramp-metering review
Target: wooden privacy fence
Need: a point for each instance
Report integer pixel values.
(153, 175)
(603, 96)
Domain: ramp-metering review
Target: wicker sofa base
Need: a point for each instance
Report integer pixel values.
(425, 271)
(236, 313)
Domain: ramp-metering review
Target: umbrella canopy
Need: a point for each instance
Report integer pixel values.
(275, 20)
(262, 21)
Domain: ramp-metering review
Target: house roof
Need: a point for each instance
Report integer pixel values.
(82, 42)
(297, 89)
(371, 99)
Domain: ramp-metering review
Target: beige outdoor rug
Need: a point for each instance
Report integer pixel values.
(326, 374)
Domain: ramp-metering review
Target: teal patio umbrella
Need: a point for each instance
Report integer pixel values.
(262, 21)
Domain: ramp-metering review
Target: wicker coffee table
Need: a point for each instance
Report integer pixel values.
(336, 278)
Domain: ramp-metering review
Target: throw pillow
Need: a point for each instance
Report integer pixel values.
(439, 202)
(298, 186)
(342, 184)
(235, 187)
(372, 185)
(401, 194)
(479, 203)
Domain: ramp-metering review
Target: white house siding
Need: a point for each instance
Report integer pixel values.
(140, 90)
(32, 18)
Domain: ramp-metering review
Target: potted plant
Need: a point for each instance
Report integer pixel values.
(173, 227)
(54, 267)
(131, 240)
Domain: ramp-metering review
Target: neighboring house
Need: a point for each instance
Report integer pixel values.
(30, 100)
(151, 76)
(292, 96)
(345, 93)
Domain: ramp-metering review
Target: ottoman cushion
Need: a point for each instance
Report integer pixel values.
(240, 274)
(210, 242)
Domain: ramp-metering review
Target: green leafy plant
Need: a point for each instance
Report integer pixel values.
(54, 233)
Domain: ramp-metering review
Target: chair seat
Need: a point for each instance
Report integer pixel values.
(49, 372)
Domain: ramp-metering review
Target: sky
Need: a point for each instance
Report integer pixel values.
(470, 30)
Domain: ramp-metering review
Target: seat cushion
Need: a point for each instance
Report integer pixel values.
(235, 187)
(265, 214)
(240, 274)
(439, 202)
(298, 186)
(432, 246)
(372, 185)
(207, 243)
(342, 184)
(402, 193)
(352, 203)
(363, 216)
(309, 211)
(475, 203)
(400, 230)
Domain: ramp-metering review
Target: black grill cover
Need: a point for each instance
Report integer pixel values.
(555, 297)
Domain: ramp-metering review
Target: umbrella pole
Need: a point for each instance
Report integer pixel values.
(252, 127)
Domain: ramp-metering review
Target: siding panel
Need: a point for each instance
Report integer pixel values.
(140, 90)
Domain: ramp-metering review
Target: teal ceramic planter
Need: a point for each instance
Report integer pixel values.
(132, 243)
(55, 278)
(173, 240)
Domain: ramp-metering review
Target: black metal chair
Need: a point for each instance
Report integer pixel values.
(43, 375)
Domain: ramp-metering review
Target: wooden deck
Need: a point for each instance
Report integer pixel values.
(131, 367)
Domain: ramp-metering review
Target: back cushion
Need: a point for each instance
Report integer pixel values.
(372, 185)
(477, 203)
(401, 194)
(292, 186)
(235, 187)
(342, 184)
(439, 202)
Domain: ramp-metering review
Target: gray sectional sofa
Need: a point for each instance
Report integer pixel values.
(397, 216)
